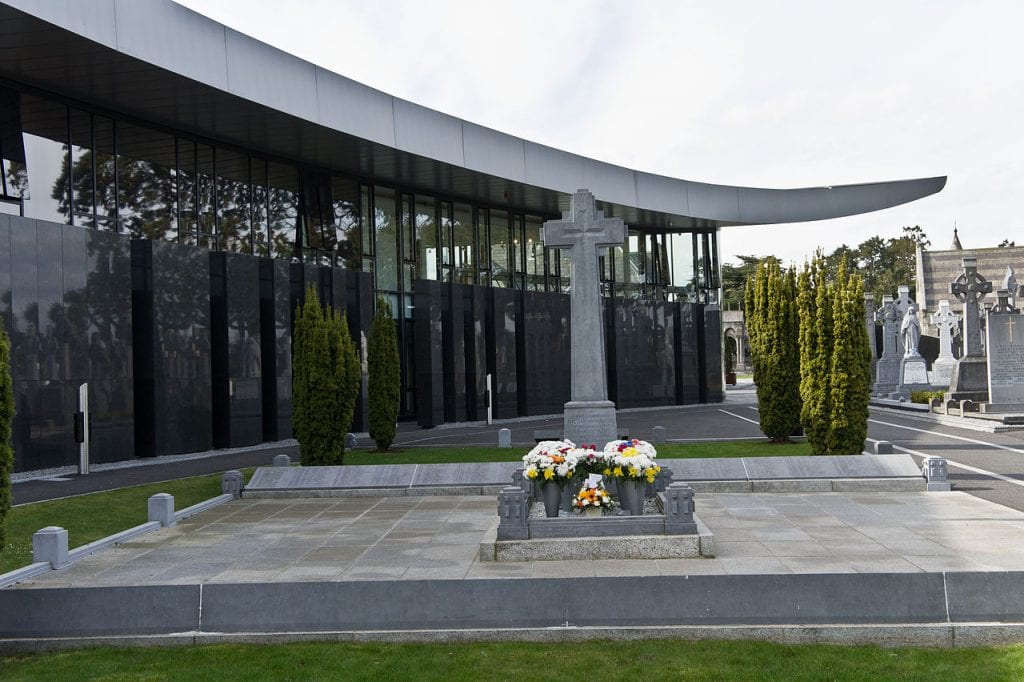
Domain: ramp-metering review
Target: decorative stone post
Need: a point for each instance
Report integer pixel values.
(935, 471)
(589, 415)
(160, 508)
(231, 483)
(679, 508)
(513, 512)
(51, 544)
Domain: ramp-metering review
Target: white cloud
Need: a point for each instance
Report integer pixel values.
(790, 94)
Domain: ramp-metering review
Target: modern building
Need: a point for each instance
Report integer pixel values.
(171, 186)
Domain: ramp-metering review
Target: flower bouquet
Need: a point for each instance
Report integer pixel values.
(592, 500)
(551, 464)
(632, 463)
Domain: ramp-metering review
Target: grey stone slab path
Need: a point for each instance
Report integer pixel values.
(415, 538)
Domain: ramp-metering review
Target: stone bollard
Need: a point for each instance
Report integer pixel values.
(231, 483)
(504, 438)
(967, 406)
(679, 508)
(160, 507)
(513, 511)
(659, 434)
(282, 461)
(883, 447)
(50, 544)
(951, 405)
(663, 480)
(350, 441)
(935, 472)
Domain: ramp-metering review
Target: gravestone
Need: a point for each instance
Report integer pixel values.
(970, 376)
(887, 375)
(589, 415)
(869, 322)
(913, 368)
(944, 320)
(1005, 348)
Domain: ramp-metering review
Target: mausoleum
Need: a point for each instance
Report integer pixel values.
(170, 187)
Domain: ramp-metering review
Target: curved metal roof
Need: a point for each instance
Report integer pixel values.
(167, 64)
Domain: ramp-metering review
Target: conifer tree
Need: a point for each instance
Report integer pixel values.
(773, 330)
(385, 378)
(6, 420)
(347, 367)
(815, 353)
(851, 369)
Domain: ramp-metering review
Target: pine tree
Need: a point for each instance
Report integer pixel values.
(6, 420)
(385, 379)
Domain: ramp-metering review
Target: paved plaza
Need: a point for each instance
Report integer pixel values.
(415, 538)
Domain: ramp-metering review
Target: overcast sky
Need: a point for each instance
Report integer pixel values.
(764, 94)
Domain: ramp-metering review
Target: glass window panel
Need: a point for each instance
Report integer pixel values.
(186, 191)
(82, 176)
(283, 183)
(234, 201)
(534, 254)
(385, 225)
(500, 264)
(45, 138)
(12, 148)
(345, 197)
(105, 168)
(145, 182)
(260, 227)
(326, 231)
(463, 242)
(206, 192)
(565, 269)
(311, 233)
(483, 242)
(407, 238)
(446, 233)
(364, 222)
(426, 237)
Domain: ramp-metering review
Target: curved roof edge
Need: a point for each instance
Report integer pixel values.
(214, 60)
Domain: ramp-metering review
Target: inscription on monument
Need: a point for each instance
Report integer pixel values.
(1006, 358)
(915, 373)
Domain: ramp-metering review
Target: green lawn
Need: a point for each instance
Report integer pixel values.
(444, 455)
(649, 660)
(91, 517)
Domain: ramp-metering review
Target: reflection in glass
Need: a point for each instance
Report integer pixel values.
(13, 174)
(345, 195)
(463, 243)
(45, 132)
(283, 183)
(534, 252)
(145, 182)
(206, 194)
(186, 191)
(104, 165)
(83, 208)
(260, 228)
(234, 201)
(385, 225)
(501, 275)
(426, 237)
(408, 242)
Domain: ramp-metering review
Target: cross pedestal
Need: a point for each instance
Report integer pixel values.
(589, 415)
(970, 376)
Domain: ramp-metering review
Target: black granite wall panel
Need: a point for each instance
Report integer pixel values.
(454, 352)
(359, 302)
(474, 312)
(712, 355)
(175, 279)
(644, 353)
(428, 321)
(501, 324)
(546, 341)
(687, 354)
(282, 336)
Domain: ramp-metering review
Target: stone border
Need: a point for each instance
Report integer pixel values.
(752, 603)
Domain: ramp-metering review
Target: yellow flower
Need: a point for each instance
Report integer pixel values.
(651, 476)
(548, 474)
(607, 471)
(532, 473)
(617, 471)
(633, 471)
(630, 452)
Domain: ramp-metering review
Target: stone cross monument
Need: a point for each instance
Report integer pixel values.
(944, 320)
(589, 415)
(970, 377)
(887, 370)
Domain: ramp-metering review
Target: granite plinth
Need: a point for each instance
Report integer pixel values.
(970, 380)
(590, 421)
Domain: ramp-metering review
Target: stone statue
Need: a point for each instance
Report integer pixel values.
(910, 332)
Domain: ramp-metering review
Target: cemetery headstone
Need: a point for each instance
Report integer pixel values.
(504, 438)
(902, 302)
(970, 376)
(887, 377)
(1005, 348)
(589, 415)
(945, 320)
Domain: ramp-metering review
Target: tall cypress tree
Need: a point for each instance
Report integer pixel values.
(385, 378)
(6, 419)
(851, 369)
(815, 354)
(347, 368)
(774, 340)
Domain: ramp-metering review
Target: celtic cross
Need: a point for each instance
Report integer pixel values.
(970, 287)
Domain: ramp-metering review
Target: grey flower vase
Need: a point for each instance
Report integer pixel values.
(552, 493)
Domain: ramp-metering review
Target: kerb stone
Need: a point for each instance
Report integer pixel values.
(160, 508)
(50, 544)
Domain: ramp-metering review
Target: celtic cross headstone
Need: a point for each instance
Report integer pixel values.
(589, 415)
(944, 320)
(970, 377)
(887, 371)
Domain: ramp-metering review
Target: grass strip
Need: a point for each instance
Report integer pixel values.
(618, 660)
(97, 515)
